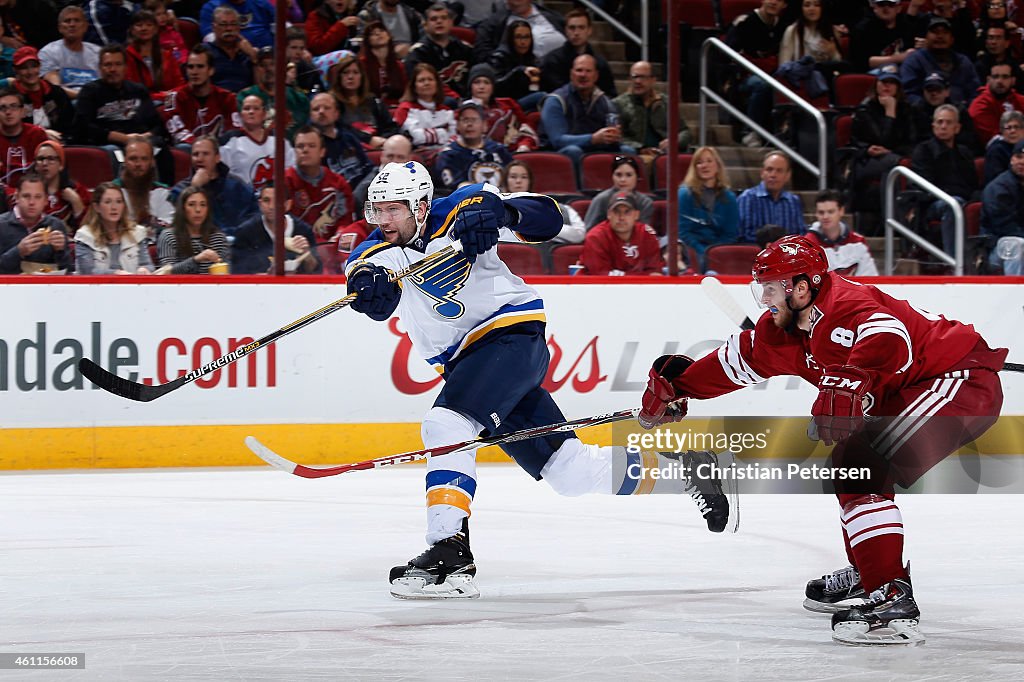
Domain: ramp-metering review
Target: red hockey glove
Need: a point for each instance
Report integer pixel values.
(838, 411)
(655, 408)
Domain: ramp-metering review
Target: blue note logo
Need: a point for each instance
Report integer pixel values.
(442, 282)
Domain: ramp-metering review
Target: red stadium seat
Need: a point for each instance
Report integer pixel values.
(659, 217)
(661, 169)
(552, 172)
(522, 259)
(731, 259)
(597, 173)
(189, 30)
(852, 88)
(696, 13)
(90, 165)
(979, 170)
(374, 156)
(844, 130)
(580, 206)
(465, 34)
(731, 9)
(972, 219)
(328, 254)
(182, 164)
(564, 256)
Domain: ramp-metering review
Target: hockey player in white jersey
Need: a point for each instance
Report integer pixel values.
(483, 329)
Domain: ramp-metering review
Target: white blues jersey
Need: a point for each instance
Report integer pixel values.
(454, 303)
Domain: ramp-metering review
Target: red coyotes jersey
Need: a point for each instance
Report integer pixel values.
(18, 152)
(852, 324)
(325, 204)
(604, 253)
(187, 119)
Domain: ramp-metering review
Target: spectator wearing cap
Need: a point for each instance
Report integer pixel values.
(1002, 215)
(232, 53)
(625, 177)
(296, 103)
(884, 38)
(936, 93)
(506, 123)
(621, 244)
(938, 56)
(995, 98)
(446, 53)
(1000, 147)
(997, 50)
(70, 62)
(557, 64)
(769, 202)
(471, 157)
(956, 12)
(46, 105)
(258, 27)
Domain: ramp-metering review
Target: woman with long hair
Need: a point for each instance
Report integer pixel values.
(330, 25)
(108, 243)
(192, 243)
(518, 68)
(147, 62)
(383, 69)
(708, 213)
(625, 177)
(364, 113)
(423, 115)
(811, 34)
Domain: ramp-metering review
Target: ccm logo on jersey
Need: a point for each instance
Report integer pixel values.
(840, 382)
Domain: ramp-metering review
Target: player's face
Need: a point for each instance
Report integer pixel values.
(394, 219)
(196, 209)
(771, 294)
(111, 206)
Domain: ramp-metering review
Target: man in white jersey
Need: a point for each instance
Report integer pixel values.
(483, 329)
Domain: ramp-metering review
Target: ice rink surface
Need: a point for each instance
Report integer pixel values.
(258, 575)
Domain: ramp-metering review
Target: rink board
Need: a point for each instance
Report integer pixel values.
(346, 388)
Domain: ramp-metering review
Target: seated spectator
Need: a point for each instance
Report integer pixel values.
(1000, 147)
(575, 118)
(557, 64)
(307, 76)
(1002, 216)
(470, 157)
(231, 197)
(936, 93)
(30, 240)
(27, 23)
(884, 38)
(519, 178)
(396, 149)
(708, 212)
(65, 198)
(960, 21)
(149, 202)
(253, 248)
(381, 65)
(949, 166)
(199, 107)
(258, 27)
(994, 13)
(883, 132)
(47, 105)
(321, 198)
(643, 115)
(423, 115)
(938, 56)
(192, 243)
(108, 243)
(296, 103)
(249, 152)
(147, 62)
(997, 97)
(447, 54)
(997, 51)
(769, 202)
(813, 35)
(517, 67)
(847, 251)
(548, 28)
(404, 23)
(233, 55)
(621, 245)
(111, 110)
(330, 25)
(505, 120)
(345, 155)
(18, 140)
(625, 177)
(70, 62)
(108, 21)
(168, 35)
(367, 116)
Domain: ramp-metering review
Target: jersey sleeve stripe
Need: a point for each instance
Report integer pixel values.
(738, 371)
(885, 324)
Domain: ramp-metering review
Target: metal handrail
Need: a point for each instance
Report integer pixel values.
(891, 224)
(821, 170)
(642, 40)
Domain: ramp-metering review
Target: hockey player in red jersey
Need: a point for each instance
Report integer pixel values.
(900, 389)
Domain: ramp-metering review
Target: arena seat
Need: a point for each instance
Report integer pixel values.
(522, 259)
(731, 259)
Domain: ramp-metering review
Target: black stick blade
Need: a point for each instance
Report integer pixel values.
(131, 390)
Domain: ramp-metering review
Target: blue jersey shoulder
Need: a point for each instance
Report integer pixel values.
(373, 239)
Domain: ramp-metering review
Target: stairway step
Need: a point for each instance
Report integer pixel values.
(609, 49)
(621, 69)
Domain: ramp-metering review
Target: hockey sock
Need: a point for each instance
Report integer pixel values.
(874, 526)
(451, 480)
(579, 469)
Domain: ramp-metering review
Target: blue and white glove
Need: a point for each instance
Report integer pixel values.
(377, 296)
(477, 224)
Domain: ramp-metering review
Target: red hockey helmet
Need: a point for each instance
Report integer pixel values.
(780, 263)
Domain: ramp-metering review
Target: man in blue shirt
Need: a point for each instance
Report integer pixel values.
(769, 202)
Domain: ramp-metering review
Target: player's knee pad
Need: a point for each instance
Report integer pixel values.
(442, 426)
(577, 469)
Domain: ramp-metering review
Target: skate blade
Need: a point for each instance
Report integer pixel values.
(902, 632)
(454, 587)
(824, 607)
(727, 460)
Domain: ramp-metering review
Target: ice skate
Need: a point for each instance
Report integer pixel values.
(835, 592)
(716, 498)
(444, 571)
(890, 617)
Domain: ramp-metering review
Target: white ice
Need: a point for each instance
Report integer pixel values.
(258, 575)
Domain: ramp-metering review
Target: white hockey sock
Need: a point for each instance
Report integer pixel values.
(451, 480)
(579, 469)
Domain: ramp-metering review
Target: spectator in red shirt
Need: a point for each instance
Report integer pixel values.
(998, 96)
(18, 140)
(146, 61)
(621, 245)
(329, 26)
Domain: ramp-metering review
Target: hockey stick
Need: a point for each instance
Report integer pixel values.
(278, 462)
(716, 291)
(126, 388)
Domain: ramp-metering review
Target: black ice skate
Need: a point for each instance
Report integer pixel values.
(890, 617)
(444, 571)
(835, 592)
(716, 498)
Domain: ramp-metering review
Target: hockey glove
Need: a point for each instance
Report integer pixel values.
(655, 403)
(477, 223)
(377, 295)
(838, 411)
